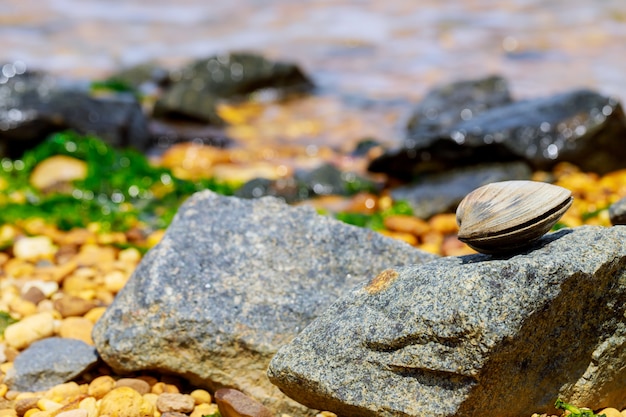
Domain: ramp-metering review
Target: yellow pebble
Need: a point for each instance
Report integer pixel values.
(130, 255)
(114, 281)
(204, 409)
(32, 411)
(201, 396)
(76, 328)
(21, 307)
(62, 392)
(34, 248)
(28, 330)
(48, 405)
(94, 314)
(90, 405)
(610, 412)
(101, 386)
(125, 402)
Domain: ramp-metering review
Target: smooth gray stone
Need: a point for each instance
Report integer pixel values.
(473, 336)
(233, 280)
(50, 362)
(440, 193)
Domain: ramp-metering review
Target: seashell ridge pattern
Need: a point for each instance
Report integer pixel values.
(509, 215)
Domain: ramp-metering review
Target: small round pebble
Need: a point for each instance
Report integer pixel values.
(201, 396)
(28, 330)
(76, 328)
(125, 402)
(137, 384)
(100, 386)
(172, 402)
(204, 410)
(234, 403)
(610, 412)
(34, 248)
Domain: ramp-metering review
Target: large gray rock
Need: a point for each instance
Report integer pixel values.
(473, 336)
(50, 362)
(233, 280)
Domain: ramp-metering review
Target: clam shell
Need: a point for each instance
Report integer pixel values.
(509, 215)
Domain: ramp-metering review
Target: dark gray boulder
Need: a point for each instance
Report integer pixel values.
(34, 105)
(473, 336)
(442, 192)
(232, 281)
(50, 362)
(446, 105)
(581, 127)
(196, 88)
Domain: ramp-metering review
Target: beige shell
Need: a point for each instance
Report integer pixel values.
(505, 216)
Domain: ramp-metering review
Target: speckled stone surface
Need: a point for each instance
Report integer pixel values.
(50, 362)
(473, 336)
(233, 280)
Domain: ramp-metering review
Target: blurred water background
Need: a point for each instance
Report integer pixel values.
(371, 50)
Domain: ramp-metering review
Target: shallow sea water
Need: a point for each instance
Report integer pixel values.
(368, 58)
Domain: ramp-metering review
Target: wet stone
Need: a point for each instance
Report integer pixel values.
(36, 104)
(453, 336)
(580, 126)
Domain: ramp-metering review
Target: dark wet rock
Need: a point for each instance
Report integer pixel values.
(364, 146)
(617, 212)
(581, 127)
(326, 179)
(447, 105)
(33, 105)
(473, 336)
(50, 362)
(233, 280)
(197, 88)
(142, 77)
(441, 192)
(287, 189)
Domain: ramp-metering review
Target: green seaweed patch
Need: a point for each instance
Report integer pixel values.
(121, 189)
(575, 411)
(376, 220)
(591, 214)
(5, 321)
